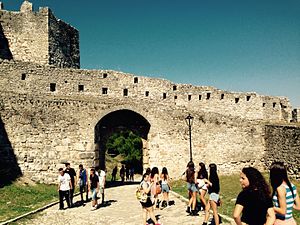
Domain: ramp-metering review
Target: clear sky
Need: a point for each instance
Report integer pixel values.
(234, 45)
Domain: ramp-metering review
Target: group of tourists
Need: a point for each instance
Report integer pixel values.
(126, 173)
(92, 181)
(255, 204)
(156, 187)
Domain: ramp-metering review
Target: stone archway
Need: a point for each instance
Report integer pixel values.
(119, 120)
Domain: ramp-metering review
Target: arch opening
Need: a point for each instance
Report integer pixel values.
(120, 122)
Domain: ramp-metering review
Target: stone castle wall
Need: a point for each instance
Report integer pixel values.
(283, 144)
(33, 37)
(50, 115)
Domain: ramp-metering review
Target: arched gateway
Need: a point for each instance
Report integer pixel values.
(116, 121)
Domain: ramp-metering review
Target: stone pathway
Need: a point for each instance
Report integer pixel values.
(121, 208)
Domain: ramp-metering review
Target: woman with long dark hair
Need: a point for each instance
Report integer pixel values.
(192, 188)
(202, 183)
(285, 196)
(164, 177)
(214, 197)
(254, 204)
(154, 177)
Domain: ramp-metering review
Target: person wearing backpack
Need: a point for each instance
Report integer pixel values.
(147, 206)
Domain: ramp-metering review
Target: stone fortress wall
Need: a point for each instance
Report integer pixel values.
(49, 115)
(38, 37)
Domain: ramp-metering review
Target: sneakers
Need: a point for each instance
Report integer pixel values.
(194, 213)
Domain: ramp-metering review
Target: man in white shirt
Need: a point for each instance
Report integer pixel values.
(64, 186)
(102, 177)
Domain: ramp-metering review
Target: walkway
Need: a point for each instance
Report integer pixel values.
(121, 208)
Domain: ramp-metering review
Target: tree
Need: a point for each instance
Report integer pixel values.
(126, 143)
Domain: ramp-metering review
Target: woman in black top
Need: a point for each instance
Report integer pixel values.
(213, 191)
(254, 201)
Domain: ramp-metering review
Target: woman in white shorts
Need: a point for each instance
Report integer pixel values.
(202, 183)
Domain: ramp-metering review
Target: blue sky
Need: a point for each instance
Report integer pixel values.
(234, 45)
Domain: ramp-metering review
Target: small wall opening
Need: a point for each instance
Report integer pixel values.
(174, 87)
(52, 87)
(200, 97)
(264, 104)
(104, 91)
(248, 98)
(125, 92)
(189, 97)
(146, 93)
(208, 96)
(135, 80)
(23, 77)
(175, 97)
(80, 87)
(164, 95)
(274, 104)
(104, 75)
(237, 100)
(222, 96)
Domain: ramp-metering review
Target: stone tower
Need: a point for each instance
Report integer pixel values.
(38, 37)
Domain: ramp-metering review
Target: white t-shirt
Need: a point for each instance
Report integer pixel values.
(64, 182)
(101, 177)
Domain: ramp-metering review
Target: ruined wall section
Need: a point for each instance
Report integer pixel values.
(38, 37)
(75, 83)
(27, 34)
(63, 44)
(283, 144)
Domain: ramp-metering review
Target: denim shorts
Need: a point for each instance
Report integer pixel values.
(94, 193)
(192, 187)
(165, 188)
(214, 197)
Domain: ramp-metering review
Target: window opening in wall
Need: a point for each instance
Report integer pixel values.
(282, 106)
(189, 97)
(208, 96)
(66, 82)
(135, 80)
(80, 87)
(237, 100)
(174, 87)
(164, 95)
(52, 87)
(125, 92)
(175, 97)
(104, 75)
(248, 98)
(264, 104)
(222, 96)
(200, 97)
(274, 104)
(104, 91)
(23, 76)
(147, 93)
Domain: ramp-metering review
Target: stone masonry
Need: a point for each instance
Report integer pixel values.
(52, 114)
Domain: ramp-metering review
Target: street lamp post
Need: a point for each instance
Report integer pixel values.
(189, 122)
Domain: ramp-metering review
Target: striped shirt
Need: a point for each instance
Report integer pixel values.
(289, 202)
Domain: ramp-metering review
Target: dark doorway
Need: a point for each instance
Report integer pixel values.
(116, 122)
